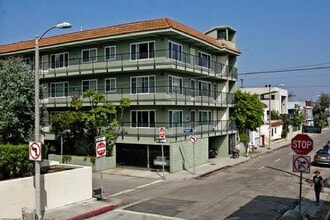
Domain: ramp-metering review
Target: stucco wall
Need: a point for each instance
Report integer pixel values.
(181, 154)
(57, 190)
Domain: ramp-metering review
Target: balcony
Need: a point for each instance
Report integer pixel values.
(157, 95)
(159, 59)
(149, 131)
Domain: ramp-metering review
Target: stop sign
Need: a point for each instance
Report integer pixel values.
(302, 144)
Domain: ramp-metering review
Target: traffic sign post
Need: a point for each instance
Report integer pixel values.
(302, 144)
(101, 151)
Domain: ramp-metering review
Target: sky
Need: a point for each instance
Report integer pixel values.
(274, 36)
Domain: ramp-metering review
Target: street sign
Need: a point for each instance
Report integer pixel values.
(34, 151)
(162, 134)
(302, 144)
(188, 131)
(301, 163)
(193, 139)
(100, 149)
(312, 129)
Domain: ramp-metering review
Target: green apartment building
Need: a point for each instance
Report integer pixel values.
(176, 77)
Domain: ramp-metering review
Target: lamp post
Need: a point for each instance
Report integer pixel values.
(270, 115)
(37, 113)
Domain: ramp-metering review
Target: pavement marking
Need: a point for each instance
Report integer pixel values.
(275, 161)
(149, 184)
(144, 214)
(260, 168)
(138, 187)
(290, 153)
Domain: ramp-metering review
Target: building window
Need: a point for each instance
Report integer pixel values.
(175, 84)
(175, 51)
(59, 60)
(221, 34)
(110, 85)
(89, 85)
(193, 87)
(143, 119)
(110, 53)
(204, 88)
(204, 59)
(175, 118)
(89, 55)
(141, 51)
(193, 118)
(205, 117)
(59, 89)
(143, 84)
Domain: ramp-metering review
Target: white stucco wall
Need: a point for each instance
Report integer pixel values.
(57, 190)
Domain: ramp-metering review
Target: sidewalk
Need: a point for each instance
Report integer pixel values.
(93, 207)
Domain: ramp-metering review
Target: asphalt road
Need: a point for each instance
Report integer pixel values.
(262, 188)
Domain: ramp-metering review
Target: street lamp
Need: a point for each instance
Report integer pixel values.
(37, 113)
(269, 116)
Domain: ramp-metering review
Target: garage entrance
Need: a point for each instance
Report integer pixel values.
(140, 155)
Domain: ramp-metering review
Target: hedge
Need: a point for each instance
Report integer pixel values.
(14, 161)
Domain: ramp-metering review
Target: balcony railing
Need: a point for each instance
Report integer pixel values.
(158, 95)
(159, 59)
(149, 131)
(175, 131)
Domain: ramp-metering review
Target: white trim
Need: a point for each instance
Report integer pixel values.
(148, 76)
(89, 55)
(57, 54)
(89, 80)
(109, 47)
(105, 85)
(136, 54)
(54, 83)
(143, 110)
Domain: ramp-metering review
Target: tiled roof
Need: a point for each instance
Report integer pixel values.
(140, 26)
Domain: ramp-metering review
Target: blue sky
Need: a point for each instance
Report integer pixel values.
(272, 35)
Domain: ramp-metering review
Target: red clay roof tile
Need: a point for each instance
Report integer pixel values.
(149, 25)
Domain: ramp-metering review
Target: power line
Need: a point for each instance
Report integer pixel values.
(284, 70)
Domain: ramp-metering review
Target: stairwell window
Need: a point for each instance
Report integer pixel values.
(143, 119)
(59, 89)
(89, 55)
(110, 53)
(143, 84)
(175, 51)
(141, 51)
(89, 85)
(175, 118)
(59, 60)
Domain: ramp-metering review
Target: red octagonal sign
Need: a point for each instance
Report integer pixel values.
(302, 144)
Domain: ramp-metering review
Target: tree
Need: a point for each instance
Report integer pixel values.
(275, 115)
(16, 101)
(321, 110)
(297, 117)
(248, 111)
(85, 125)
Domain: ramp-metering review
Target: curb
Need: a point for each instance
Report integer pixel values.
(93, 212)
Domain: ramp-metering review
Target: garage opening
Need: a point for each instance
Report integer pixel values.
(140, 155)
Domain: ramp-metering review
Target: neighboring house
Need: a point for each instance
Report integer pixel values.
(306, 108)
(175, 76)
(273, 98)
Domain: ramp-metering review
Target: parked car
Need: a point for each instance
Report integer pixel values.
(322, 157)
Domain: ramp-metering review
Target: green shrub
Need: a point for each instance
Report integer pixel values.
(14, 161)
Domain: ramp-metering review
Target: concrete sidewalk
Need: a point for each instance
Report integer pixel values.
(93, 207)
